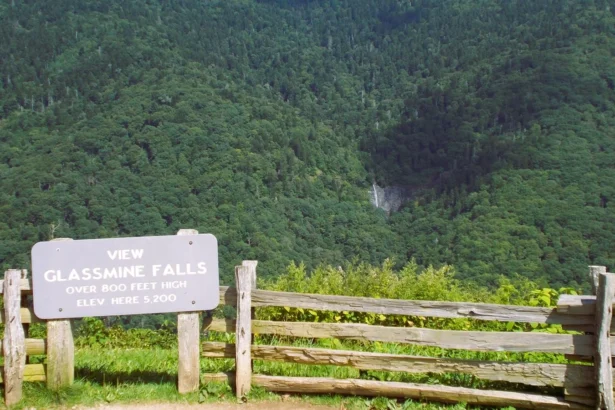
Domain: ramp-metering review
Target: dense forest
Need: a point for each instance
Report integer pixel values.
(266, 122)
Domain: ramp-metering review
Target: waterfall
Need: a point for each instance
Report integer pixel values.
(390, 198)
(375, 191)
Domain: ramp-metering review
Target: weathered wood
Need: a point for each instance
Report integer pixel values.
(228, 326)
(446, 394)
(60, 354)
(33, 346)
(228, 377)
(582, 395)
(188, 344)
(584, 390)
(577, 304)
(446, 339)
(26, 314)
(532, 374)
(602, 358)
(13, 344)
(219, 325)
(581, 391)
(399, 390)
(594, 274)
(251, 265)
(586, 401)
(25, 284)
(243, 333)
(221, 350)
(479, 311)
(60, 351)
(32, 373)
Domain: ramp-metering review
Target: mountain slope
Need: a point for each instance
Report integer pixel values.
(266, 122)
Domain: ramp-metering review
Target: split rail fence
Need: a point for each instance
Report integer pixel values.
(587, 384)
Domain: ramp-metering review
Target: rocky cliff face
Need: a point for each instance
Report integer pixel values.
(390, 198)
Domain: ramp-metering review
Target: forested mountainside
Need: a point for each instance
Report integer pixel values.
(267, 122)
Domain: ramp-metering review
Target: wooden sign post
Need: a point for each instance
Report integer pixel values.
(60, 350)
(189, 345)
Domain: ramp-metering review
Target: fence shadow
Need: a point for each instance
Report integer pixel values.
(103, 377)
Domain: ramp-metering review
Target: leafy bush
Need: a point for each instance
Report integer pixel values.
(409, 283)
(93, 333)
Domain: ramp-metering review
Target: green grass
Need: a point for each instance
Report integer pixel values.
(140, 374)
(87, 393)
(145, 374)
(149, 375)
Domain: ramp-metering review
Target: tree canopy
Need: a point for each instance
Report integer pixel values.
(265, 122)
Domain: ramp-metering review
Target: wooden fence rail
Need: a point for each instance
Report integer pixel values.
(448, 310)
(446, 394)
(582, 385)
(574, 313)
(447, 339)
(532, 374)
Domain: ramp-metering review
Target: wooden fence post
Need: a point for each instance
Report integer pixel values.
(189, 344)
(594, 273)
(251, 265)
(14, 343)
(602, 357)
(60, 351)
(243, 331)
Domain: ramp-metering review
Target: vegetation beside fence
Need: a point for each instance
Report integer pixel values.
(559, 333)
(409, 283)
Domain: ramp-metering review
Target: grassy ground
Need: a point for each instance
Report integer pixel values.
(146, 374)
(123, 375)
(87, 393)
